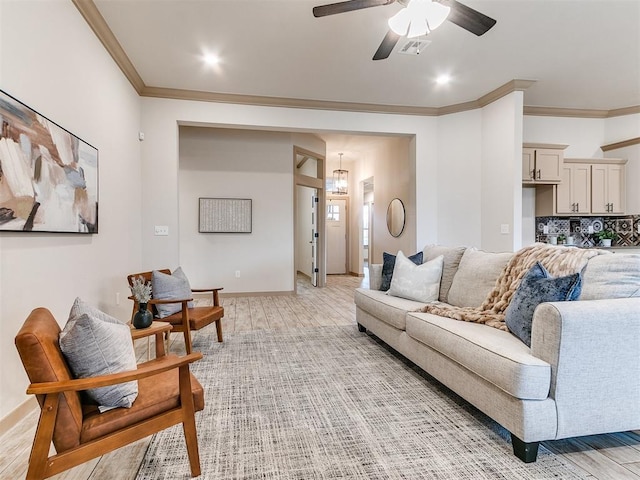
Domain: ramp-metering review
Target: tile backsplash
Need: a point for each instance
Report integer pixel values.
(626, 227)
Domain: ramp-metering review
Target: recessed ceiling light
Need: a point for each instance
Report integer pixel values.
(211, 59)
(443, 79)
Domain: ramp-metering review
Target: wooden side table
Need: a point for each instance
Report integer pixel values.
(158, 329)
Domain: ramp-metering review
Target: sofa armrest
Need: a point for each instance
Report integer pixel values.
(593, 348)
(375, 276)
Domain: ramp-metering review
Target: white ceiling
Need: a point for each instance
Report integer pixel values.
(583, 54)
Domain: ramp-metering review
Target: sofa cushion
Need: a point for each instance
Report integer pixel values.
(391, 310)
(536, 287)
(388, 264)
(416, 282)
(452, 256)
(611, 276)
(495, 355)
(476, 277)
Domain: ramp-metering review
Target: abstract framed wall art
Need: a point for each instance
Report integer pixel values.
(48, 176)
(224, 215)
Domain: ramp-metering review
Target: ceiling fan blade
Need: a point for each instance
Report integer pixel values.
(348, 6)
(386, 47)
(468, 18)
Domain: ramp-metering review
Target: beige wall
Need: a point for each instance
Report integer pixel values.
(52, 61)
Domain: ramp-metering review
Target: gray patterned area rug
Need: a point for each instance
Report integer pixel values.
(328, 403)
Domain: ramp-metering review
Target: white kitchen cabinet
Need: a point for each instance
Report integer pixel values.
(542, 163)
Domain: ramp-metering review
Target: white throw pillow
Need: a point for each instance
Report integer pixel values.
(416, 282)
(94, 344)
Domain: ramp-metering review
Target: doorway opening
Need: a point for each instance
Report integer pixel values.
(309, 224)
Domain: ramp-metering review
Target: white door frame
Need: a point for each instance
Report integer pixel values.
(317, 183)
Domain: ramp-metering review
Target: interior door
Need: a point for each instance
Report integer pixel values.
(336, 227)
(314, 238)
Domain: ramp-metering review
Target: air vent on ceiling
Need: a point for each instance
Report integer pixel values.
(414, 46)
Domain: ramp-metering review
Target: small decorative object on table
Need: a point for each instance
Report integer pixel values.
(141, 291)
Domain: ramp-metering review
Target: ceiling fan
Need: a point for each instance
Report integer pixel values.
(418, 17)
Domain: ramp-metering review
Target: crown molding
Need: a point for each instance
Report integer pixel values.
(579, 113)
(98, 24)
(624, 143)
(178, 94)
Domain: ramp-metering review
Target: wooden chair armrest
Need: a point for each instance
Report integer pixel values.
(154, 301)
(214, 291)
(147, 369)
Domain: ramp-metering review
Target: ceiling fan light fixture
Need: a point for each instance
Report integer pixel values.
(418, 18)
(399, 23)
(436, 14)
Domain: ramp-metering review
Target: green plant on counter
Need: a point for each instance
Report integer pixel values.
(606, 235)
(562, 238)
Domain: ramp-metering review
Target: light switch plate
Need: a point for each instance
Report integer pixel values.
(161, 230)
(504, 228)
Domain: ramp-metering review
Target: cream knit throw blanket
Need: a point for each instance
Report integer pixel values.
(559, 261)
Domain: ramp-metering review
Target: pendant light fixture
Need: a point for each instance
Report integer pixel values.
(340, 180)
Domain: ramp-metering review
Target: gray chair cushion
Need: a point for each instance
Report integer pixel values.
(94, 344)
(476, 277)
(167, 287)
(452, 256)
(611, 276)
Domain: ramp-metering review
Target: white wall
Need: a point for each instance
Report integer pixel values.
(223, 163)
(501, 173)
(52, 61)
(459, 172)
(583, 135)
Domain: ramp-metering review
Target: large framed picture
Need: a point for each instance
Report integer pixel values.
(48, 176)
(224, 215)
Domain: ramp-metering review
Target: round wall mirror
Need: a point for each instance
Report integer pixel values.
(395, 217)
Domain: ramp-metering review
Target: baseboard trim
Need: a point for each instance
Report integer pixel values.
(256, 294)
(14, 417)
(354, 274)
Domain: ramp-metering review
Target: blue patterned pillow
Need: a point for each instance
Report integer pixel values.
(388, 264)
(537, 287)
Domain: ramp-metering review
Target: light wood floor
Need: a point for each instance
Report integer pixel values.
(602, 457)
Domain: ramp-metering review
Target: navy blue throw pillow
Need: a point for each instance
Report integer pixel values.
(389, 262)
(537, 287)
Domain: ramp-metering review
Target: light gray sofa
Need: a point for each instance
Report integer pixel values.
(581, 375)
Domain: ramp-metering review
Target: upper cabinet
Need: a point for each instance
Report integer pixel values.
(542, 163)
(608, 188)
(589, 186)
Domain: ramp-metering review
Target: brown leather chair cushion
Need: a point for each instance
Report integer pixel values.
(156, 394)
(37, 344)
(199, 317)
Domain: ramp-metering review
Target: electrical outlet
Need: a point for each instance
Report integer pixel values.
(590, 229)
(117, 298)
(237, 273)
(545, 229)
(162, 230)
(504, 229)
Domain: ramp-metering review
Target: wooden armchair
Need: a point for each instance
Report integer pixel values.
(186, 319)
(168, 394)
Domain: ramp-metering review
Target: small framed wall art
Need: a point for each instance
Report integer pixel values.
(224, 215)
(48, 176)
